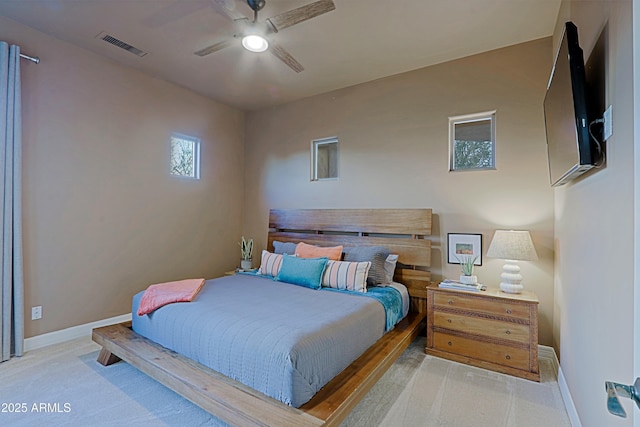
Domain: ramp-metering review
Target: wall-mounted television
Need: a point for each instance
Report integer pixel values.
(570, 148)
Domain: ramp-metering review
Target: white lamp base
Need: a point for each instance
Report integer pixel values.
(511, 278)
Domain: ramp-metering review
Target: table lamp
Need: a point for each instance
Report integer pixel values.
(512, 246)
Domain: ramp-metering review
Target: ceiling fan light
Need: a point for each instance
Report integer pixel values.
(255, 43)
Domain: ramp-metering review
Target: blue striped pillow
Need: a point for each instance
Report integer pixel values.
(351, 276)
(270, 264)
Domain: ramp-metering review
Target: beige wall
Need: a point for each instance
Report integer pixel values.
(394, 153)
(594, 224)
(102, 216)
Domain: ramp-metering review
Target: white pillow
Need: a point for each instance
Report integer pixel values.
(389, 269)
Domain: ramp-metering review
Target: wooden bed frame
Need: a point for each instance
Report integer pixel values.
(404, 231)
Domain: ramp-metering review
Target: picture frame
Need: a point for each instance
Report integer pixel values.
(464, 244)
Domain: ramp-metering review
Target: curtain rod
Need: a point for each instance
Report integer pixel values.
(30, 58)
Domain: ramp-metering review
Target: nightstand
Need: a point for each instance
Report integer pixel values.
(489, 329)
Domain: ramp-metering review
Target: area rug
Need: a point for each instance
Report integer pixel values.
(63, 385)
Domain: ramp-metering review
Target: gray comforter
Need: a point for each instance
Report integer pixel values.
(283, 340)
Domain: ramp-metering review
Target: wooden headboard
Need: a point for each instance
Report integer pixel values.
(405, 232)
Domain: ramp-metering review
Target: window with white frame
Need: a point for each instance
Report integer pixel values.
(324, 159)
(472, 142)
(185, 156)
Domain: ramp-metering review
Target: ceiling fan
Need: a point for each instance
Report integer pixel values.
(255, 35)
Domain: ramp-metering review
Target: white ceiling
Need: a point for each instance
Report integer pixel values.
(361, 40)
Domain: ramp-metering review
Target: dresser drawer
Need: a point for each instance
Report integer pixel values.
(501, 354)
(485, 305)
(481, 326)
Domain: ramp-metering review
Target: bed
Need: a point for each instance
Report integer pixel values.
(404, 231)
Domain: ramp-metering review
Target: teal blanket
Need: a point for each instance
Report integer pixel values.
(389, 297)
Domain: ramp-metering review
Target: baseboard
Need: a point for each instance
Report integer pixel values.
(57, 337)
(568, 400)
(549, 353)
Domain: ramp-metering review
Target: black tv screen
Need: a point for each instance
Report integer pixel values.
(569, 146)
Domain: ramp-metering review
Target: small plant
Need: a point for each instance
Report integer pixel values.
(246, 248)
(466, 264)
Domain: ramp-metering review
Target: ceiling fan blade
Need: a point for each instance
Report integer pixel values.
(213, 48)
(295, 16)
(284, 56)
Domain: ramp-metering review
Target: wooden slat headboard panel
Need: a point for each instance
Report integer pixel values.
(404, 231)
(387, 221)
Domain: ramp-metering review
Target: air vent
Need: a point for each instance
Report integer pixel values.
(122, 45)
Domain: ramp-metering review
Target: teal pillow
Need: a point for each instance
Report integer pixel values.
(305, 272)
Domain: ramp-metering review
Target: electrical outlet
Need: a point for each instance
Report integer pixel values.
(36, 312)
(608, 123)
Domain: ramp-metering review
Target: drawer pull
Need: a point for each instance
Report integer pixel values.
(508, 311)
(448, 320)
(450, 302)
(450, 343)
(508, 332)
(508, 357)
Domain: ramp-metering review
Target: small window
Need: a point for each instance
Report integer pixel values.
(472, 141)
(185, 156)
(324, 159)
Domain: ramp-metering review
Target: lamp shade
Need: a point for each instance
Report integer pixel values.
(514, 245)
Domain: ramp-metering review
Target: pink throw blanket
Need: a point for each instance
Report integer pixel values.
(162, 294)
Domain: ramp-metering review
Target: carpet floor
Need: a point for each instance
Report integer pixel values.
(63, 385)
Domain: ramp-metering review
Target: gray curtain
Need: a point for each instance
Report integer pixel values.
(12, 304)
